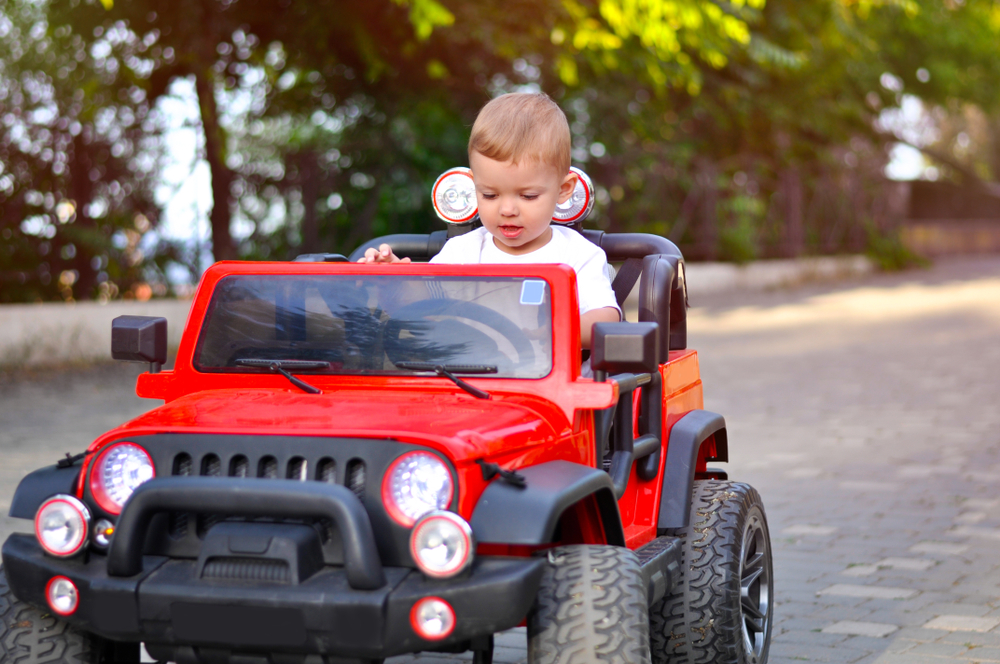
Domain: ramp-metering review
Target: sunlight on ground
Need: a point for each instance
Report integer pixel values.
(867, 304)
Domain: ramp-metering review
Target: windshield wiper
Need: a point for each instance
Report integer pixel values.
(447, 369)
(279, 366)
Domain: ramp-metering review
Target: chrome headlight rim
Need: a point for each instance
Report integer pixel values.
(81, 512)
(463, 561)
(98, 489)
(397, 512)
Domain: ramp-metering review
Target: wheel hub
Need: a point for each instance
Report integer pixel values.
(755, 587)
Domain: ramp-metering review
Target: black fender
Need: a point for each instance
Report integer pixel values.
(36, 487)
(507, 514)
(686, 437)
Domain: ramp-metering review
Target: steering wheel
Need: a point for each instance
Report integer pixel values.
(413, 315)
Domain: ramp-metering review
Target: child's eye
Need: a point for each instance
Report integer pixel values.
(489, 197)
(529, 197)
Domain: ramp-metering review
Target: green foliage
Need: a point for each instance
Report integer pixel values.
(78, 150)
(742, 220)
(739, 129)
(887, 251)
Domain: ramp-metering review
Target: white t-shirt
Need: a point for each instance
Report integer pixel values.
(566, 246)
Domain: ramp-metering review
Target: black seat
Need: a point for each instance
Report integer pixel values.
(662, 285)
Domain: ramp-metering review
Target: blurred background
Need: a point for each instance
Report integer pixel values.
(142, 139)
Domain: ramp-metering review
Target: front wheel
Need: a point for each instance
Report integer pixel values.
(722, 610)
(31, 636)
(591, 609)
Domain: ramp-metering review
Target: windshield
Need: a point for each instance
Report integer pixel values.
(378, 324)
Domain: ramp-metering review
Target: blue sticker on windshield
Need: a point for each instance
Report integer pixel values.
(532, 292)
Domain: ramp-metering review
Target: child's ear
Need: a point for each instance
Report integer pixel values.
(567, 186)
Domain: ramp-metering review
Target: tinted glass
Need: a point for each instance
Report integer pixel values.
(367, 325)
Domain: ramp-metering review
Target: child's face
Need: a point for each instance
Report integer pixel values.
(516, 201)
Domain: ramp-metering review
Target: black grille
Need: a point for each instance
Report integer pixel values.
(356, 463)
(239, 466)
(177, 524)
(268, 467)
(247, 569)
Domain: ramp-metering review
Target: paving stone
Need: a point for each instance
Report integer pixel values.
(972, 639)
(907, 658)
(918, 564)
(976, 531)
(958, 623)
(861, 486)
(809, 637)
(978, 654)
(958, 609)
(874, 592)
(860, 570)
(809, 529)
(982, 503)
(938, 650)
(971, 517)
(860, 628)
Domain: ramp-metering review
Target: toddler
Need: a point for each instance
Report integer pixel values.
(519, 154)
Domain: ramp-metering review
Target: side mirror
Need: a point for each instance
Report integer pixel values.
(625, 347)
(140, 339)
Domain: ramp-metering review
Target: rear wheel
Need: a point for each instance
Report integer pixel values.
(591, 608)
(722, 610)
(31, 636)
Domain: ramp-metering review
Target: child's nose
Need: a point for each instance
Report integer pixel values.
(508, 207)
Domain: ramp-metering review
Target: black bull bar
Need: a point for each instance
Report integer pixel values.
(360, 609)
(238, 497)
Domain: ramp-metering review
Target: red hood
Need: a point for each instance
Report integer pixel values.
(464, 426)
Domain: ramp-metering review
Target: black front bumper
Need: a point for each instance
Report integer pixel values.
(186, 618)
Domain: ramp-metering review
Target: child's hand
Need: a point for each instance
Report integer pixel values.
(381, 255)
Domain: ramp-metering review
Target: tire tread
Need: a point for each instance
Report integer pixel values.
(701, 622)
(591, 608)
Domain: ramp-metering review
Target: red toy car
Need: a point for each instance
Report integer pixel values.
(357, 461)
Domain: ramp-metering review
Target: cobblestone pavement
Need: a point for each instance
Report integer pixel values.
(867, 415)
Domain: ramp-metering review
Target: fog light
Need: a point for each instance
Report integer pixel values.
(61, 525)
(103, 530)
(62, 595)
(432, 618)
(441, 544)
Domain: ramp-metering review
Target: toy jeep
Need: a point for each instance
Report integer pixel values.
(359, 461)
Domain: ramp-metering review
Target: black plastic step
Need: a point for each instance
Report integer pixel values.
(660, 561)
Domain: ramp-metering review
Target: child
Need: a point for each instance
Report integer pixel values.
(519, 154)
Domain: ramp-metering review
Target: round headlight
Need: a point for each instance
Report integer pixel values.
(62, 595)
(117, 472)
(415, 484)
(441, 544)
(61, 525)
(454, 196)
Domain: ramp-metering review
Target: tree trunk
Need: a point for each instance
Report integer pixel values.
(706, 231)
(222, 177)
(309, 181)
(82, 194)
(790, 188)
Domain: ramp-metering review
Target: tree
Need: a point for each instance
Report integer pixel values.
(364, 70)
(77, 152)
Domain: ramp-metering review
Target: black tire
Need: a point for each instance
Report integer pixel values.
(591, 608)
(31, 636)
(722, 610)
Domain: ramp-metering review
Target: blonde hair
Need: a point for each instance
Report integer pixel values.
(522, 126)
